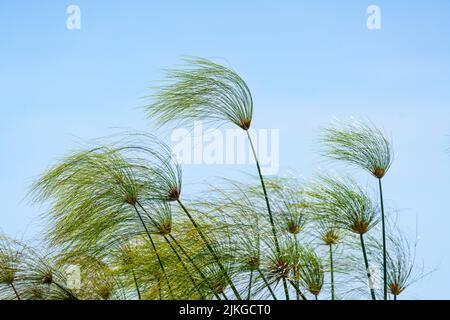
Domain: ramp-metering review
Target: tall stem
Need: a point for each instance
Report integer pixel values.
(156, 251)
(175, 251)
(211, 250)
(70, 294)
(366, 263)
(136, 285)
(267, 284)
(332, 271)
(15, 291)
(191, 261)
(384, 241)
(297, 289)
(185, 268)
(297, 282)
(269, 210)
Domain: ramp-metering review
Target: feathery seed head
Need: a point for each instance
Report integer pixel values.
(395, 289)
(47, 278)
(293, 227)
(330, 237)
(361, 144)
(360, 226)
(203, 90)
(174, 194)
(344, 204)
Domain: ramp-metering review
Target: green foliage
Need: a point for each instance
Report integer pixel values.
(117, 212)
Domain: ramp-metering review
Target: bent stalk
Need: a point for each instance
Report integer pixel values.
(138, 291)
(156, 252)
(195, 265)
(15, 291)
(267, 284)
(269, 210)
(297, 289)
(211, 250)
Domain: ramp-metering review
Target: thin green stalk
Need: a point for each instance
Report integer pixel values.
(194, 265)
(249, 295)
(175, 252)
(395, 297)
(332, 271)
(384, 241)
(269, 210)
(185, 268)
(267, 284)
(295, 269)
(156, 251)
(213, 253)
(70, 294)
(297, 289)
(159, 290)
(366, 263)
(316, 297)
(15, 291)
(137, 285)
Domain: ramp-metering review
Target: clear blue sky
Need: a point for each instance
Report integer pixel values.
(307, 62)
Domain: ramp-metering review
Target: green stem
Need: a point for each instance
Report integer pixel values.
(210, 249)
(174, 250)
(159, 290)
(185, 268)
(297, 289)
(366, 263)
(137, 285)
(156, 251)
(297, 282)
(269, 210)
(249, 295)
(267, 284)
(70, 294)
(332, 271)
(384, 241)
(395, 297)
(191, 261)
(15, 291)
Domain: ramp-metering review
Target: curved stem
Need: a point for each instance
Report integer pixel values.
(269, 210)
(366, 263)
(267, 284)
(70, 294)
(297, 289)
(332, 271)
(210, 249)
(15, 291)
(176, 253)
(156, 251)
(185, 268)
(191, 261)
(384, 241)
(136, 285)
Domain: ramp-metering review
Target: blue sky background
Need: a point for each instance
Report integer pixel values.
(306, 62)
